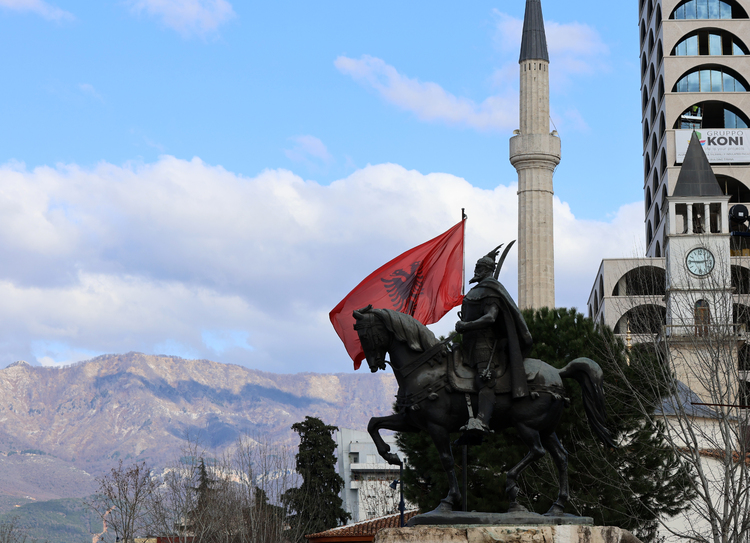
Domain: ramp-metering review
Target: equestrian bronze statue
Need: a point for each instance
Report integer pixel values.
(490, 374)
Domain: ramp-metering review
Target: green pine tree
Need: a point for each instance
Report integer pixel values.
(316, 506)
(622, 487)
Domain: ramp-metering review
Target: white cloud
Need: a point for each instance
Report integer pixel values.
(308, 149)
(180, 257)
(88, 89)
(39, 7)
(188, 16)
(574, 48)
(428, 100)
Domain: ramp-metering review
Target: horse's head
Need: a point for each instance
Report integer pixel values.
(374, 337)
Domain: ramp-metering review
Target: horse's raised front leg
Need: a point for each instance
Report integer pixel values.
(396, 423)
(441, 439)
(560, 456)
(533, 441)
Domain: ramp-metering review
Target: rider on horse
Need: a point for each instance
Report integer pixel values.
(495, 339)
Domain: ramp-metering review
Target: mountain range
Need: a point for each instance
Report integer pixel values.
(61, 427)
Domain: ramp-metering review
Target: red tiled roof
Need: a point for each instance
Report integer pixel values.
(360, 531)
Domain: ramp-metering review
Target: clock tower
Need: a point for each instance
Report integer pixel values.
(698, 269)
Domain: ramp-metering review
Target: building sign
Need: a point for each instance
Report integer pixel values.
(721, 145)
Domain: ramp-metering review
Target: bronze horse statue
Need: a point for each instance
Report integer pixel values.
(434, 396)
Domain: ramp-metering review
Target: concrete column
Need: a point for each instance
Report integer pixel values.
(690, 218)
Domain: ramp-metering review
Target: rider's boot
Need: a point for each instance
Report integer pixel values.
(481, 424)
(486, 407)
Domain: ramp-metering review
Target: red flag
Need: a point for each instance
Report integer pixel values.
(424, 282)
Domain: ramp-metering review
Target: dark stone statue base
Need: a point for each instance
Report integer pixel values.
(434, 518)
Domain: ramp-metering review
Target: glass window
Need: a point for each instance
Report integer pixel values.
(705, 79)
(692, 82)
(713, 9)
(709, 81)
(702, 9)
(714, 44)
(692, 45)
(679, 13)
(728, 83)
(725, 10)
(716, 81)
(736, 50)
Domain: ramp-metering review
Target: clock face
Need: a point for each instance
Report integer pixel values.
(700, 261)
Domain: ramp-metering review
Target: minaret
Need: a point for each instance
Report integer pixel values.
(535, 153)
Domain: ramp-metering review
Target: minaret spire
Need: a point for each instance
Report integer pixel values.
(535, 153)
(534, 40)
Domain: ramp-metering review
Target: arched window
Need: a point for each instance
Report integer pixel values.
(711, 114)
(657, 252)
(650, 43)
(596, 302)
(710, 41)
(663, 196)
(708, 9)
(734, 188)
(657, 215)
(653, 147)
(641, 281)
(651, 77)
(642, 319)
(645, 97)
(655, 184)
(646, 132)
(649, 234)
(662, 126)
(740, 280)
(659, 53)
(648, 198)
(650, 9)
(643, 65)
(661, 89)
(702, 317)
(643, 32)
(711, 79)
(663, 156)
(658, 16)
(647, 165)
(652, 116)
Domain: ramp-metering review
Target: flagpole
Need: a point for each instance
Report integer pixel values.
(463, 257)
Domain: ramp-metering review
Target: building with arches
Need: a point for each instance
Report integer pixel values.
(695, 75)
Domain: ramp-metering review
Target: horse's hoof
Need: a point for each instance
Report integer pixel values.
(516, 508)
(556, 510)
(393, 459)
(445, 507)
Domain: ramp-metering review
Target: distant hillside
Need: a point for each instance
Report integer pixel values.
(60, 427)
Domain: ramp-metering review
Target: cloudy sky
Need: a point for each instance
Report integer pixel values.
(208, 178)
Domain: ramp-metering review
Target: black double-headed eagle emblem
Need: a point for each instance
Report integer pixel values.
(404, 288)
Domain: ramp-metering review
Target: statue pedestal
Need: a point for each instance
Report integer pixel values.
(505, 534)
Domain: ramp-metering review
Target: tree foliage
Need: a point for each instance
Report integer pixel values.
(623, 487)
(316, 504)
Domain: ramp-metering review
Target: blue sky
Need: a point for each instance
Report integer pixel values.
(189, 176)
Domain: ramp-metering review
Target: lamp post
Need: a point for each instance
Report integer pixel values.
(400, 483)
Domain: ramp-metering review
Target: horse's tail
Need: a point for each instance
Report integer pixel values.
(589, 376)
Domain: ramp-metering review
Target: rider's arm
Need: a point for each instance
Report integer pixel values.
(489, 317)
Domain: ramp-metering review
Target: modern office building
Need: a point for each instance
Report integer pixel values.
(694, 76)
(695, 69)
(367, 491)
